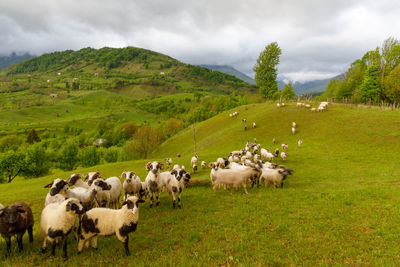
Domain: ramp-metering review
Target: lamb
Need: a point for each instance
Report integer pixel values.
(254, 125)
(284, 155)
(132, 185)
(203, 164)
(298, 104)
(293, 130)
(234, 177)
(15, 219)
(57, 221)
(106, 222)
(153, 180)
(285, 146)
(169, 162)
(299, 143)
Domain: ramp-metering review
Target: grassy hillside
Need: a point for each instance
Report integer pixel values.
(339, 208)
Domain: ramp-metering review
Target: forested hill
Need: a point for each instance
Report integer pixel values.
(6, 61)
(135, 70)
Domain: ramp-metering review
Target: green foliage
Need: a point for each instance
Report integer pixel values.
(288, 91)
(111, 154)
(36, 161)
(129, 128)
(392, 85)
(89, 156)
(68, 156)
(172, 126)
(370, 87)
(10, 142)
(145, 140)
(33, 137)
(11, 164)
(266, 70)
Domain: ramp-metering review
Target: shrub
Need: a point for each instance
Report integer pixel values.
(89, 156)
(68, 156)
(36, 162)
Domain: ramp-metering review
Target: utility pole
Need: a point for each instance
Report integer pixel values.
(194, 139)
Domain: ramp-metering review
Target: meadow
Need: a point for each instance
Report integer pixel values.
(340, 207)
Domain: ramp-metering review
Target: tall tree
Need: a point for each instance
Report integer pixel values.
(266, 70)
(370, 87)
(32, 137)
(11, 164)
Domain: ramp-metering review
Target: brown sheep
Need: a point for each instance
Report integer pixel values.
(15, 219)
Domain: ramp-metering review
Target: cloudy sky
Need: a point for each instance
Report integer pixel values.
(319, 38)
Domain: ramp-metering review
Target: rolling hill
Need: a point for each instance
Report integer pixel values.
(339, 208)
(6, 61)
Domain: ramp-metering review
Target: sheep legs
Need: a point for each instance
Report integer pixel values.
(244, 187)
(8, 243)
(30, 233)
(19, 241)
(158, 199)
(126, 246)
(65, 242)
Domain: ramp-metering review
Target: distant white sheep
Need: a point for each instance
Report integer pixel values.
(285, 146)
(299, 143)
(293, 130)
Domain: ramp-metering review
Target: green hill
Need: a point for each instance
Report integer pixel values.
(339, 208)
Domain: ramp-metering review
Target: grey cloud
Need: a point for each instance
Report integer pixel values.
(318, 38)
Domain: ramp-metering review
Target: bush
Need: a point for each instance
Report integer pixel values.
(111, 154)
(89, 156)
(10, 142)
(68, 156)
(36, 162)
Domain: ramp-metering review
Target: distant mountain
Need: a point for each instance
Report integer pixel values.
(6, 61)
(231, 71)
(314, 87)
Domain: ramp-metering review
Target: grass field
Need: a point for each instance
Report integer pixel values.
(339, 208)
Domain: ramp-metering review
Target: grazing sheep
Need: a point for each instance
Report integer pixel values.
(274, 177)
(245, 127)
(15, 219)
(278, 105)
(283, 104)
(308, 106)
(132, 185)
(106, 222)
(299, 143)
(285, 146)
(169, 162)
(313, 110)
(57, 221)
(203, 164)
(178, 155)
(231, 177)
(293, 130)
(299, 104)
(276, 152)
(254, 125)
(266, 155)
(273, 140)
(153, 180)
(284, 155)
(243, 120)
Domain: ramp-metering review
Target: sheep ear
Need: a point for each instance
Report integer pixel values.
(86, 177)
(124, 203)
(98, 174)
(148, 165)
(211, 165)
(123, 174)
(48, 185)
(174, 172)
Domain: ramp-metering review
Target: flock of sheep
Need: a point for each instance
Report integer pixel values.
(94, 202)
(322, 106)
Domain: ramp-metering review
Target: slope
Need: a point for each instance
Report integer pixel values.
(339, 208)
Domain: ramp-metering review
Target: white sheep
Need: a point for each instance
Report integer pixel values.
(115, 191)
(294, 124)
(58, 191)
(249, 155)
(193, 161)
(285, 146)
(106, 222)
(266, 154)
(169, 162)
(308, 106)
(273, 140)
(153, 180)
(222, 162)
(293, 130)
(299, 143)
(284, 155)
(298, 104)
(91, 176)
(76, 180)
(254, 125)
(278, 105)
(283, 104)
(313, 110)
(274, 177)
(203, 164)
(132, 185)
(57, 221)
(174, 183)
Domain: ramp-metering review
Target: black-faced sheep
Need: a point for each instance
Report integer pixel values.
(106, 222)
(91, 176)
(15, 219)
(58, 191)
(57, 221)
(153, 180)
